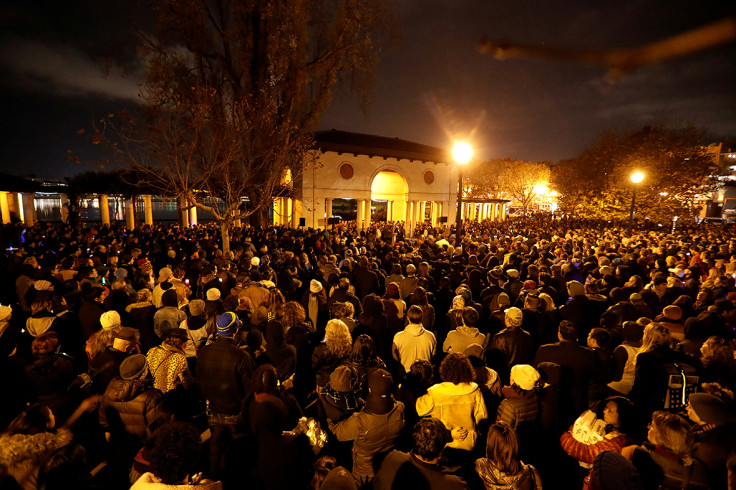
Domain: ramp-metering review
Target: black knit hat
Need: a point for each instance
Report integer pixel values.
(380, 392)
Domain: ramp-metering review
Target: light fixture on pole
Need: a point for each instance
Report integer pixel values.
(462, 153)
(636, 179)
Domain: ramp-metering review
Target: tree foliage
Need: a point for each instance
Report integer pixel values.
(517, 180)
(678, 174)
(234, 90)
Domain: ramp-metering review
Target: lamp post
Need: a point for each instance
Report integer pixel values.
(539, 190)
(636, 178)
(462, 152)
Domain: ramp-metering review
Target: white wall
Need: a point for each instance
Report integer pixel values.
(323, 180)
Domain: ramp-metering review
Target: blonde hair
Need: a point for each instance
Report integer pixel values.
(338, 339)
(100, 340)
(275, 301)
(655, 334)
(549, 303)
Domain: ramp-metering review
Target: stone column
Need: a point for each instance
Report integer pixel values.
(29, 208)
(130, 213)
(4, 208)
(368, 215)
(296, 212)
(503, 212)
(360, 217)
(15, 203)
(277, 211)
(410, 217)
(147, 209)
(193, 215)
(289, 215)
(389, 210)
(103, 202)
(328, 209)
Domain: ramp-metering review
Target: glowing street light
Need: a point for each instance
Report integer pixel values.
(636, 179)
(540, 190)
(462, 153)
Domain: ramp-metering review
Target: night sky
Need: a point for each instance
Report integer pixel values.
(65, 64)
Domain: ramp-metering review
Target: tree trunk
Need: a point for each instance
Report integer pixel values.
(225, 232)
(181, 214)
(259, 218)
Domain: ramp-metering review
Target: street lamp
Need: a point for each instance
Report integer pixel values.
(636, 179)
(539, 190)
(462, 152)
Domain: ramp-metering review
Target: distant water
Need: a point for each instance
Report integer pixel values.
(48, 208)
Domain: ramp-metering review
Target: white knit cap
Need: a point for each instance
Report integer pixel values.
(110, 319)
(524, 376)
(213, 294)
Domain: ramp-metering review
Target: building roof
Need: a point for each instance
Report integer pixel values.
(380, 146)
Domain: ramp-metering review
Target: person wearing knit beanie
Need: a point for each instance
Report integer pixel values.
(110, 320)
(227, 324)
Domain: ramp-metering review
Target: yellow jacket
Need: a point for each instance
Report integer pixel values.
(456, 405)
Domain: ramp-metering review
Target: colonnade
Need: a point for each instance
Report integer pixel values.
(20, 203)
(287, 211)
(494, 211)
(424, 211)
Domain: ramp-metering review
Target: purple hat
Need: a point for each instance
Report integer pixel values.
(227, 324)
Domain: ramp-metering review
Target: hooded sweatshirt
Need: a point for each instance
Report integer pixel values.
(414, 343)
(456, 405)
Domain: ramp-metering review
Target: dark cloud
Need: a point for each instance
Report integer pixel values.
(65, 71)
(65, 64)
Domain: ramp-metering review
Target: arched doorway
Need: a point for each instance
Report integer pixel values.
(389, 192)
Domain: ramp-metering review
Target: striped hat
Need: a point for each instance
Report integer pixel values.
(227, 324)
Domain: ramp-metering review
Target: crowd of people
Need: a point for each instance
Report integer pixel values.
(539, 352)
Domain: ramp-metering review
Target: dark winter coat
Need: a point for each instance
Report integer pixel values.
(129, 405)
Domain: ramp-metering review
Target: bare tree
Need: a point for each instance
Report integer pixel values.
(233, 92)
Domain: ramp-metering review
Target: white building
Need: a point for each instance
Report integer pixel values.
(371, 177)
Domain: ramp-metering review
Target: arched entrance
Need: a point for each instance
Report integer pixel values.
(389, 192)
